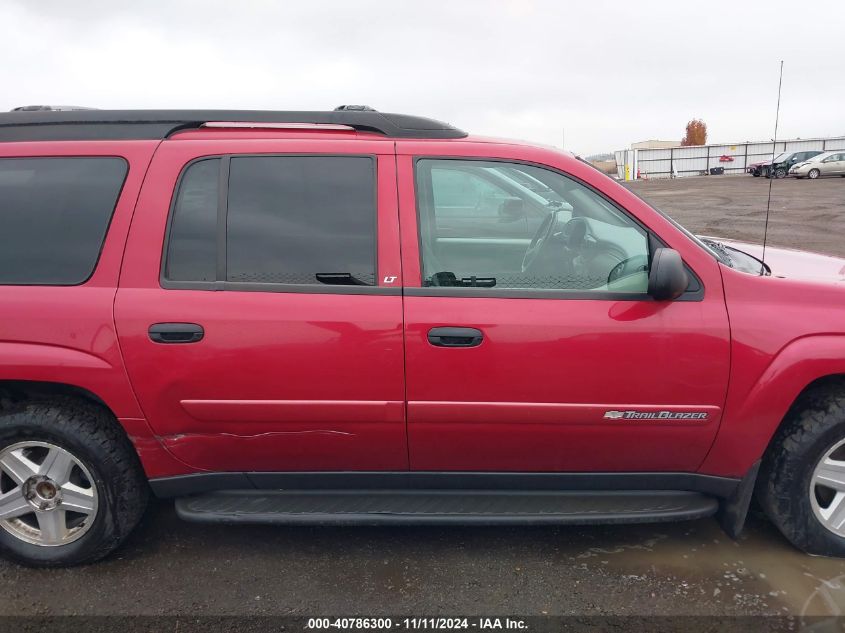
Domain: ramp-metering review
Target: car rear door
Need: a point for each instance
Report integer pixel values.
(558, 370)
(259, 310)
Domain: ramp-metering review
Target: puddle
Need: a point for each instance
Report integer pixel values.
(758, 574)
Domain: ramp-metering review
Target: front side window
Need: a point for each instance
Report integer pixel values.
(276, 220)
(527, 228)
(54, 214)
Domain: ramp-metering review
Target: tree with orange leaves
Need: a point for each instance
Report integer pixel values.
(696, 133)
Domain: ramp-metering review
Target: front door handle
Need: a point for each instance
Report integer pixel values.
(455, 336)
(176, 332)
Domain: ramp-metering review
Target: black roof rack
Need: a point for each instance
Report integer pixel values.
(59, 125)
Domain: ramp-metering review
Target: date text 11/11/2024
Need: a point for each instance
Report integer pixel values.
(416, 624)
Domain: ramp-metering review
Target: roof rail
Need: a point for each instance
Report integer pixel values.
(53, 125)
(54, 108)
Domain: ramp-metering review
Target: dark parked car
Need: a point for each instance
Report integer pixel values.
(784, 162)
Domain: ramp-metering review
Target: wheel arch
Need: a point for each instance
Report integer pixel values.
(155, 459)
(800, 368)
(812, 390)
(15, 392)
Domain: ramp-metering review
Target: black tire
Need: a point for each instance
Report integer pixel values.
(756, 174)
(814, 424)
(813, 174)
(93, 436)
(780, 172)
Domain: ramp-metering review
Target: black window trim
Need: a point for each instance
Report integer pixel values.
(222, 215)
(107, 231)
(694, 292)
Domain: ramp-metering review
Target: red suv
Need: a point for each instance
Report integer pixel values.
(355, 317)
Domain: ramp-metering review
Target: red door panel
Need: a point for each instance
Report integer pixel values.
(548, 388)
(281, 381)
(533, 395)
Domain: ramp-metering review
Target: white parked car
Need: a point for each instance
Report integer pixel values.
(825, 164)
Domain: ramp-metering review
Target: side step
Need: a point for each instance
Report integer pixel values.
(480, 507)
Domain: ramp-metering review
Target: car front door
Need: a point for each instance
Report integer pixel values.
(837, 164)
(259, 310)
(558, 360)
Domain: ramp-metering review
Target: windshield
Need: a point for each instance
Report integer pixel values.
(782, 157)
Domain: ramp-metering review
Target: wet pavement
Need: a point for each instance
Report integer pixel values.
(169, 567)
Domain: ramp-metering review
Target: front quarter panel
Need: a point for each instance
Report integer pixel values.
(785, 334)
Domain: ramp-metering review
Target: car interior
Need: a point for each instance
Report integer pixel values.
(511, 225)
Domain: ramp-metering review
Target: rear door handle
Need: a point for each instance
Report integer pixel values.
(455, 336)
(176, 332)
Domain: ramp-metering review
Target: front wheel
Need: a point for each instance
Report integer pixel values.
(802, 481)
(813, 174)
(71, 486)
(780, 173)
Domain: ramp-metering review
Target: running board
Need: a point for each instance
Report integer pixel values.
(480, 507)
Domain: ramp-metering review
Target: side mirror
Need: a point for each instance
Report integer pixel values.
(667, 278)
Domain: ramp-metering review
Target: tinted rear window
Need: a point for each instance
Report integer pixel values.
(301, 220)
(288, 220)
(192, 249)
(54, 215)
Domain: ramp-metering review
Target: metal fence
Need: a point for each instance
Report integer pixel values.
(699, 159)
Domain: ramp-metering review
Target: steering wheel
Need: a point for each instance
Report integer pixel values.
(630, 266)
(540, 241)
(574, 233)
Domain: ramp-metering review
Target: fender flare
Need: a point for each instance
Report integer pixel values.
(55, 364)
(747, 429)
(43, 366)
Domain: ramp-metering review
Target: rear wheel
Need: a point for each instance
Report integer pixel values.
(71, 486)
(802, 480)
(813, 174)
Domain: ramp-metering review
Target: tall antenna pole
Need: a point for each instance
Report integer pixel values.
(772, 167)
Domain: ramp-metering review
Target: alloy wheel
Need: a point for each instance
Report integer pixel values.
(47, 495)
(827, 489)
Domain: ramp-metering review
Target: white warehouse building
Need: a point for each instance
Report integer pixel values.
(698, 160)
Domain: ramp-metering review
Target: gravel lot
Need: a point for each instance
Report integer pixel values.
(805, 214)
(171, 567)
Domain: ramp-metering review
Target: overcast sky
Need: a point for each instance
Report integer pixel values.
(608, 73)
